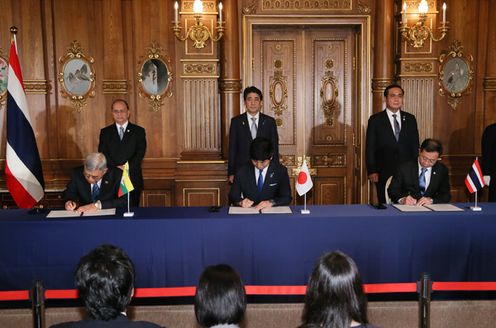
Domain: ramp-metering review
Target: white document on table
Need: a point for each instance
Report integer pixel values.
(277, 210)
(411, 208)
(252, 210)
(107, 211)
(70, 214)
(62, 214)
(444, 208)
(243, 210)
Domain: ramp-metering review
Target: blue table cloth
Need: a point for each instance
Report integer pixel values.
(171, 246)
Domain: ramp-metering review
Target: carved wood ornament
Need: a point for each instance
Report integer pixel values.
(455, 74)
(77, 76)
(278, 92)
(155, 76)
(329, 93)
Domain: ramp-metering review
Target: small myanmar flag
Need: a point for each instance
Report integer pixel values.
(126, 184)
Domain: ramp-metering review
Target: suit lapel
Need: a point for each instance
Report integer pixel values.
(104, 186)
(268, 177)
(253, 181)
(415, 173)
(388, 124)
(129, 129)
(261, 122)
(434, 180)
(246, 125)
(403, 125)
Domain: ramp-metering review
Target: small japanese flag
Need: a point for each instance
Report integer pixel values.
(304, 182)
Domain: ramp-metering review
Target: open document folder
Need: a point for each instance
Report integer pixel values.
(252, 210)
(68, 214)
(428, 208)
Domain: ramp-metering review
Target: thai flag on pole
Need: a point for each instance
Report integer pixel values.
(474, 180)
(23, 171)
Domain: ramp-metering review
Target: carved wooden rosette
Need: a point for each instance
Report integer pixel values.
(77, 76)
(154, 76)
(329, 93)
(297, 169)
(278, 92)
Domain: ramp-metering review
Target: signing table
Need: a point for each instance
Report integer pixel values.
(171, 246)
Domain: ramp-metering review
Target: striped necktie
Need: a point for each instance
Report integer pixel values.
(95, 192)
(253, 128)
(121, 132)
(422, 182)
(397, 129)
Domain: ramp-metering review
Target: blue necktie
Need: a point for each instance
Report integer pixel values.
(260, 181)
(422, 181)
(95, 191)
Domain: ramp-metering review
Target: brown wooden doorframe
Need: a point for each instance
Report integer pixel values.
(331, 165)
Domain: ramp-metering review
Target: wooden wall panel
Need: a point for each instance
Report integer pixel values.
(419, 101)
(158, 197)
(201, 116)
(117, 33)
(330, 190)
(151, 21)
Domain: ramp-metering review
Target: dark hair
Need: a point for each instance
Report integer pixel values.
(432, 145)
(119, 100)
(220, 297)
(386, 91)
(335, 294)
(252, 89)
(105, 281)
(261, 149)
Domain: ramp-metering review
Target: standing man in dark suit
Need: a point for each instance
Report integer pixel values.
(392, 139)
(105, 282)
(488, 161)
(123, 142)
(246, 127)
(264, 182)
(424, 181)
(93, 186)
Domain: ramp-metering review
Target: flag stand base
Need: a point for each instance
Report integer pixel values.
(476, 208)
(305, 211)
(128, 214)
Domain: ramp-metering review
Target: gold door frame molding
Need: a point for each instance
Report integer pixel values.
(363, 25)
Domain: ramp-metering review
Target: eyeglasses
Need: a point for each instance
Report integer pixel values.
(122, 111)
(93, 177)
(428, 160)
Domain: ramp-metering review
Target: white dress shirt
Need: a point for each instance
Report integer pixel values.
(391, 118)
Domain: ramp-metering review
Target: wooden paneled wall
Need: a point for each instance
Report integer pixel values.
(187, 136)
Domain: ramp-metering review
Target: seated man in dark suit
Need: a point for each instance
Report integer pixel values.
(105, 282)
(263, 183)
(93, 186)
(424, 181)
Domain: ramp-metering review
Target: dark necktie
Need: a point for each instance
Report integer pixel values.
(121, 132)
(422, 180)
(260, 181)
(253, 128)
(396, 128)
(95, 191)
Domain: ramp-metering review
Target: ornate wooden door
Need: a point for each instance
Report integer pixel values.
(308, 77)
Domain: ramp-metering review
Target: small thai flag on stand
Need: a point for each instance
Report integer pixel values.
(23, 171)
(475, 181)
